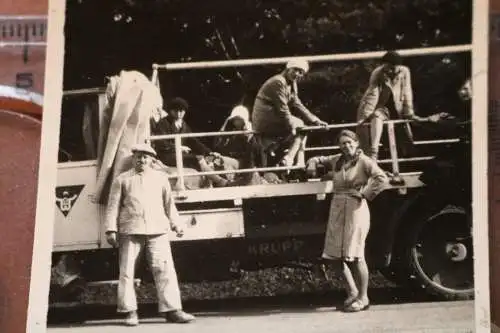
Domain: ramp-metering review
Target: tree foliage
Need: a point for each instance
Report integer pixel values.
(104, 37)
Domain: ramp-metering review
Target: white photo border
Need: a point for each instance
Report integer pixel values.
(42, 249)
(480, 48)
(47, 174)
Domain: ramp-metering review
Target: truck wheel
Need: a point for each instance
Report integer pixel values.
(439, 254)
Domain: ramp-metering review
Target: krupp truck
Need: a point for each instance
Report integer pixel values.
(419, 237)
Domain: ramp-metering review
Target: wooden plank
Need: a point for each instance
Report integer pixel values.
(275, 190)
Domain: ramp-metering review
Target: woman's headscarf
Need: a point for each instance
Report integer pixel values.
(238, 111)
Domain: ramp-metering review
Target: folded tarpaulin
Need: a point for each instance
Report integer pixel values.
(131, 101)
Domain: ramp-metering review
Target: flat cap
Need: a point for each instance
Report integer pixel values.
(145, 148)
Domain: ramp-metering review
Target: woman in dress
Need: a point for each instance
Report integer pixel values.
(356, 178)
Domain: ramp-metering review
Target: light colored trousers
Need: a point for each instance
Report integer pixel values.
(159, 256)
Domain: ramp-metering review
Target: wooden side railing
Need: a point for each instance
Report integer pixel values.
(394, 160)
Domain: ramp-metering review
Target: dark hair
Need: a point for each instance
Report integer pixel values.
(349, 134)
(393, 58)
(178, 103)
(342, 159)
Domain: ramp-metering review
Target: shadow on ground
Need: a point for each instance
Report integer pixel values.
(247, 306)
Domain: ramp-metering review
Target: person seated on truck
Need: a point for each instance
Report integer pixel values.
(242, 147)
(238, 120)
(194, 152)
(192, 148)
(389, 96)
(272, 118)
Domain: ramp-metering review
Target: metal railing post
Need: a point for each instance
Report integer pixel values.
(393, 148)
(154, 77)
(396, 180)
(179, 163)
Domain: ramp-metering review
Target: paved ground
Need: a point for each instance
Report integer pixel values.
(432, 317)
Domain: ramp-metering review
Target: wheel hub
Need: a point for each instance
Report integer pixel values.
(456, 252)
(442, 255)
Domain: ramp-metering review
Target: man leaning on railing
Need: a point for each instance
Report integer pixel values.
(389, 95)
(272, 117)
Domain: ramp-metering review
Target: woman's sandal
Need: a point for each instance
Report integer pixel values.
(357, 306)
(349, 300)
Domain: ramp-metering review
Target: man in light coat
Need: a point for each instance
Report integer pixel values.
(389, 95)
(139, 214)
(272, 117)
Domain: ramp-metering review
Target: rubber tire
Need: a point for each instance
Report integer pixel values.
(418, 280)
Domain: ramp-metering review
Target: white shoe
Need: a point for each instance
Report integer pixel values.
(132, 319)
(179, 317)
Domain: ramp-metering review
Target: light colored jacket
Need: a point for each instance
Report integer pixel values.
(401, 91)
(273, 106)
(141, 204)
(365, 176)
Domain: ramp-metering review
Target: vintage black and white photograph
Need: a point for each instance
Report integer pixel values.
(272, 166)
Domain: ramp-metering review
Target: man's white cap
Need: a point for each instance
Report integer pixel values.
(145, 148)
(298, 63)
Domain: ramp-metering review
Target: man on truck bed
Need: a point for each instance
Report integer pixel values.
(272, 117)
(141, 209)
(193, 150)
(389, 95)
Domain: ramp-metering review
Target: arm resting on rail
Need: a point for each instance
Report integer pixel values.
(298, 106)
(378, 179)
(313, 163)
(370, 97)
(276, 93)
(407, 95)
(195, 144)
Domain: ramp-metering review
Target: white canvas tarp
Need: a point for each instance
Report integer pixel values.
(131, 100)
